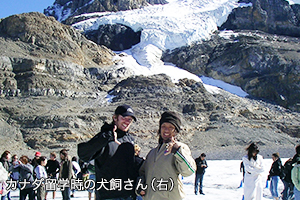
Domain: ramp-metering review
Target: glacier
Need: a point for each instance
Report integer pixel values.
(169, 26)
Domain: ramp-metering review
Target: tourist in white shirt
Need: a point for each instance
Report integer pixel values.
(76, 169)
(40, 172)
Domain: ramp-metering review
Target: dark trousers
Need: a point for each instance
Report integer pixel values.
(66, 194)
(7, 195)
(198, 179)
(25, 192)
(288, 190)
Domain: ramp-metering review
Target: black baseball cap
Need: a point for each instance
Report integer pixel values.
(125, 110)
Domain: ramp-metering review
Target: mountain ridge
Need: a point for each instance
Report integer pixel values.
(47, 107)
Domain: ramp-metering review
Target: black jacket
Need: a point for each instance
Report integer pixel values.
(52, 168)
(276, 168)
(287, 171)
(112, 161)
(199, 162)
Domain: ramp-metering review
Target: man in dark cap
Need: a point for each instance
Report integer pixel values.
(112, 149)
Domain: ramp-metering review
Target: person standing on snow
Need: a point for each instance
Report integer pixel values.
(295, 175)
(77, 170)
(253, 164)
(66, 172)
(201, 166)
(52, 169)
(113, 152)
(5, 157)
(274, 175)
(40, 172)
(166, 162)
(288, 191)
(26, 177)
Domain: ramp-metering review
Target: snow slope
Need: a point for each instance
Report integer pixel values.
(179, 23)
(169, 26)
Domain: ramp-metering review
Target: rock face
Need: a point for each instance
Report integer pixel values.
(62, 9)
(264, 65)
(215, 123)
(117, 37)
(58, 88)
(37, 52)
(270, 16)
(153, 2)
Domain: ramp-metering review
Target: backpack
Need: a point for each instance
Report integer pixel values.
(282, 172)
(91, 168)
(296, 176)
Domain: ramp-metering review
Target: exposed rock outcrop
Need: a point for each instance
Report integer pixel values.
(211, 122)
(63, 9)
(270, 16)
(264, 65)
(40, 56)
(117, 37)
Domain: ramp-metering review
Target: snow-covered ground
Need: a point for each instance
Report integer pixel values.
(293, 2)
(221, 181)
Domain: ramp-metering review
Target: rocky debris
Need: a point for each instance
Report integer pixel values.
(270, 16)
(263, 65)
(116, 37)
(211, 122)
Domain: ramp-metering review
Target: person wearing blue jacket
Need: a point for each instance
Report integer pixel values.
(112, 150)
(25, 175)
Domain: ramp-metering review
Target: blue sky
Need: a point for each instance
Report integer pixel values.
(12, 7)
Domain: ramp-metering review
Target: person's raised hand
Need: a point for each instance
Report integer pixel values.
(116, 135)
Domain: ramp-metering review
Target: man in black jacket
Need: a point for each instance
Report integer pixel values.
(201, 166)
(112, 149)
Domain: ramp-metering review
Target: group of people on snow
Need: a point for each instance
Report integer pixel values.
(112, 160)
(25, 172)
(155, 177)
(289, 174)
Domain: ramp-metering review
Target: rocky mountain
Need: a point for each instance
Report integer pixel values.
(113, 36)
(269, 71)
(36, 57)
(270, 16)
(63, 9)
(264, 65)
(58, 88)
